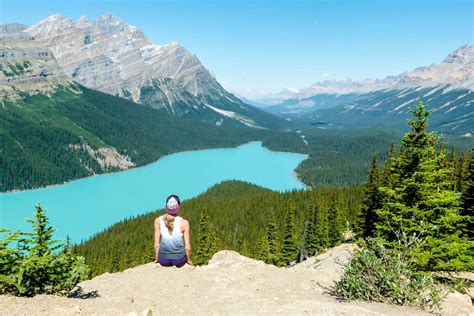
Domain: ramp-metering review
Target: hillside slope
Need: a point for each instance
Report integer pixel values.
(76, 132)
(230, 284)
(452, 109)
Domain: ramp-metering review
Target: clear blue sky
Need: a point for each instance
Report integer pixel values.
(255, 46)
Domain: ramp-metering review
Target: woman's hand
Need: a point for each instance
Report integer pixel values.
(190, 262)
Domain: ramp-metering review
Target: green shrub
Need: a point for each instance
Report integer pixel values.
(377, 274)
(38, 264)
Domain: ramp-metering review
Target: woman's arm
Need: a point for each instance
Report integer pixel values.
(187, 242)
(157, 238)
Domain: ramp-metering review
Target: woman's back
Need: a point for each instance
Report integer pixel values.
(171, 243)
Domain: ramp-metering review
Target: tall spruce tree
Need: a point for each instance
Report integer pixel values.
(289, 249)
(311, 242)
(461, 172)
(263, 248)
(336, 223)
(207, 243)
(321, 224)
(272, 230)
(41, 239)
(371, 203)
(386, 175)
(468, 202)
(420, 201)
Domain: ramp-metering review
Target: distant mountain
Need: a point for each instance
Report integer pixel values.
(447, 88)
(456, 70)
(113, 57)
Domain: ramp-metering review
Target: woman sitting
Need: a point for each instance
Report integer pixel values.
(170, 230)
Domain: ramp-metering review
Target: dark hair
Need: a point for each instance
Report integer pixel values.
(173, 196)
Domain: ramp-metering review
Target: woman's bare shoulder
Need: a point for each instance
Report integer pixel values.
(184, 222)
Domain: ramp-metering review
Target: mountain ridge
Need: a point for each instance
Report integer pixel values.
(446, 88)
(114, 57)
(455, 70)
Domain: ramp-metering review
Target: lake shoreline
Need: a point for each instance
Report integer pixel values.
(81, 208)
(295, 174)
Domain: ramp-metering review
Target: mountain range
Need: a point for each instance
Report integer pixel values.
(113, 57)
(446, 88)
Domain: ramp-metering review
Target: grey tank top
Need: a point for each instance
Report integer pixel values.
(171, 245)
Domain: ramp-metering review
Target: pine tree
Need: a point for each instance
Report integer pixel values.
(263, 248)
(321, 224)
(386, 175)
(303, 253)
(311, 242)
(336, 223)
(289, 249)
(207, 243)
(468, 202)
(421, 202)
(114, 261)
(372, 202)
(461, 173)
(40, 267)
(272, 229)
(453, 164)
(41, 239)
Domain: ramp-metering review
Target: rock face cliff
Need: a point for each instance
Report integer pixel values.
(26, 65)
(230, 285)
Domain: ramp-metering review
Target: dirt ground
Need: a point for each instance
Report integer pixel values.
(230, 284)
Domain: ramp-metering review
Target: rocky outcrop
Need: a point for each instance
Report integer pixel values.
(108, 158)
(230, 284)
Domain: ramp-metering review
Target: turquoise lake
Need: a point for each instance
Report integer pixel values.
(86, 206)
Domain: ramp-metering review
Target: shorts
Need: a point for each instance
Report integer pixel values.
(172, 262)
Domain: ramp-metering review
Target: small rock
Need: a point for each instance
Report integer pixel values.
(147, 312)
(130, 299)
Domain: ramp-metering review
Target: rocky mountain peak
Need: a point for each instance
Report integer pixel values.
(51, 25)
(463, 55)
(55, 17)
(84, 22)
